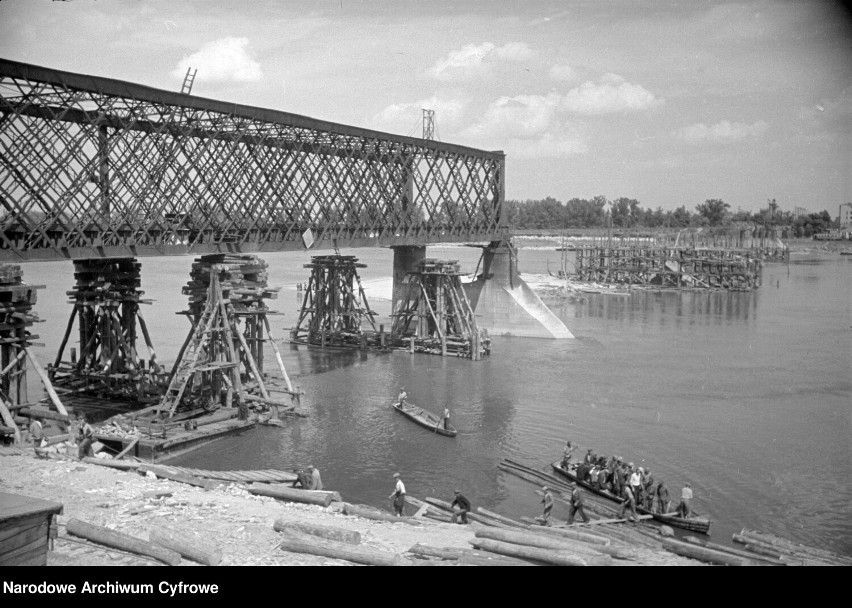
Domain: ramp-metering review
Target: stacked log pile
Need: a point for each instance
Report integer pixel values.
(767, 546)
(242, 277)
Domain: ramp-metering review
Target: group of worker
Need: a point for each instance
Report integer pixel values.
(307, 478)
(460, 504)
(634, 485)
(84, 436)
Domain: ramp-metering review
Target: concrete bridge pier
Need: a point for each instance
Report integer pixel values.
(406, 258)
(504, 304)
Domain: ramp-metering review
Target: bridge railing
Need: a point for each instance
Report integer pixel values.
(95, 166)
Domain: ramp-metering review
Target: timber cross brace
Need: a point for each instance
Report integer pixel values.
(95, 167)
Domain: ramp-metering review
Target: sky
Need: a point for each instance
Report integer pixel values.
(670, 102)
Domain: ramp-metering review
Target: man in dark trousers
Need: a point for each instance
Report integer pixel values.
(398, 496)
(576, 505)
(464, 507)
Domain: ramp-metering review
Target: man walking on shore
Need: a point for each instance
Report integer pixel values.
(398, 496)
(548, 505)
(576, 504)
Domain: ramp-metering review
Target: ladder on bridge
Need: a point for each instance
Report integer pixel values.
(199, 354)
(186, 87)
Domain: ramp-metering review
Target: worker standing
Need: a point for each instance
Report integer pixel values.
(398, 496)
(547, 501)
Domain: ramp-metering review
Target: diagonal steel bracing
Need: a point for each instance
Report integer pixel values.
(91, 166)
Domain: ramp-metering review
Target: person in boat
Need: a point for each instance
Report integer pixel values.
(446, 416)
(576, 505)
(566, 454)
(464, 507)
(648, 489)
(402, 398)
(547, 501)
(684, 509)
(398, 496)
(629, 502)
(315, 482)
(662, 497)
(604, 481)
(593, 477)
(635, 482)
(589, 458)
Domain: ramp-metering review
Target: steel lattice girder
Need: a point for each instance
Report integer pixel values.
(94, 166)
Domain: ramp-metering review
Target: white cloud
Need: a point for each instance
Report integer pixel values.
(473, 58)
(722, 132)
(525, 126)
(611, 94)
(562, 72)
(522, 116)
(399, 117)
(226, 59)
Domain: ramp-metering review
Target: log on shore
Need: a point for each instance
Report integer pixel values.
(174, 476)
(532, 539)
(618, 551)
(54, 439)
(188, 546)
(705, 555)
(466, 556)
(290, 494)
(371, 513)
(297, 542)
(548, 556)
(352, 537)
(506, 520)
(113, 464)
(763, 560)
(586, 537)
(771, 546)
(119, 540)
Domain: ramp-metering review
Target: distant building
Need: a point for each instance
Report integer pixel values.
(845, 215)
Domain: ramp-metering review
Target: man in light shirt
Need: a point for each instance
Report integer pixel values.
(685, 508)
(398, 496)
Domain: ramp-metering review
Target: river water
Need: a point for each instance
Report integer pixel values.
(748, 396)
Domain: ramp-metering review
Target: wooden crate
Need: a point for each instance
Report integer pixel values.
(27, 527)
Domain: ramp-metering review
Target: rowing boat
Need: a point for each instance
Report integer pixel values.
(425, 418)
(695, 524)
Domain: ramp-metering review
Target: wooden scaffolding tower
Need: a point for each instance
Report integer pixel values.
(106, 307)
(670, 267)
(335, 308)
(16, 317)
(221, 360)
(435, 315)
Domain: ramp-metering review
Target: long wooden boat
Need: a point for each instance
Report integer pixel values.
(695, 524)
(425, 418)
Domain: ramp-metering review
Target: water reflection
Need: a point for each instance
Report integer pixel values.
(677, 308)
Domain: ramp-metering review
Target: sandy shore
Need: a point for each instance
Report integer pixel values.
(240, 523)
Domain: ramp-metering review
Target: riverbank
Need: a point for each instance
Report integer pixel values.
(240, 524)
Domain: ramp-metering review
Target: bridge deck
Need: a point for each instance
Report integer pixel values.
(93, 166)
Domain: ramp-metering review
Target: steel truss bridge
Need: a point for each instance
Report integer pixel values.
(92, 166)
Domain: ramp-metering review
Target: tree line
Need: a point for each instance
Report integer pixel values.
(550, 213)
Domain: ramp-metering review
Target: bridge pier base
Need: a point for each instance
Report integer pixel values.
(406, 259)
(504, 304)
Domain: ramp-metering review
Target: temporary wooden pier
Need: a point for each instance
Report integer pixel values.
(106, 307)
(434, 316)
(335, 308)
(16, 317)
(669, 267)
